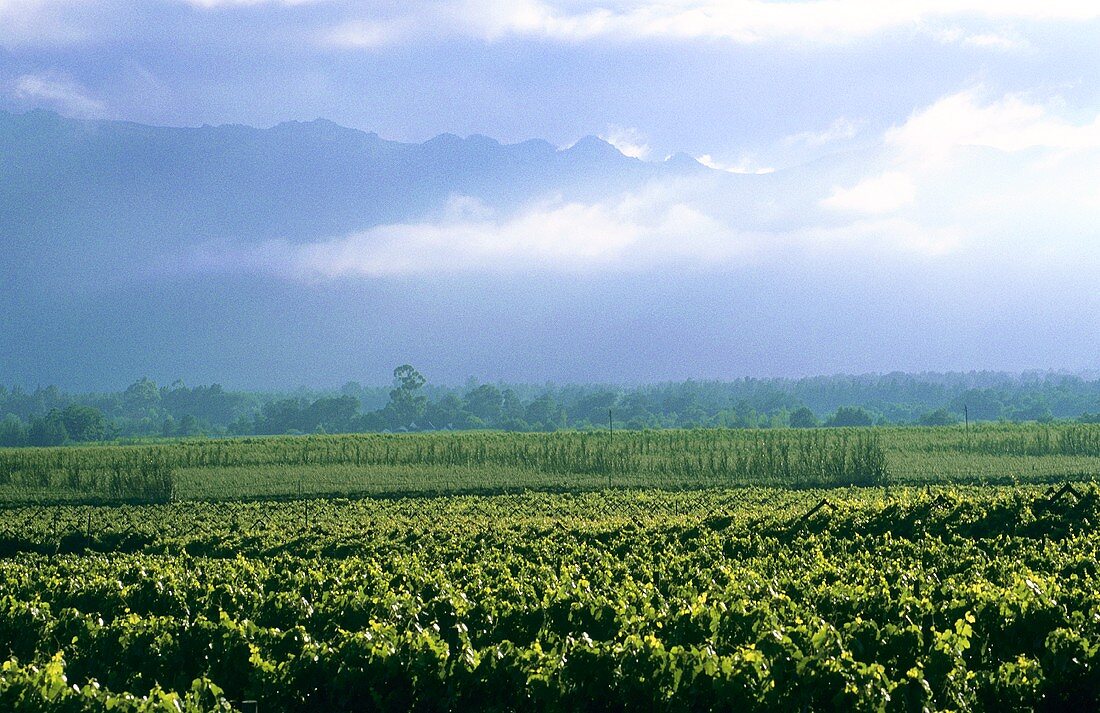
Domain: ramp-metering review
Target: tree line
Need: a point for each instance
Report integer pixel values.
(47, 416)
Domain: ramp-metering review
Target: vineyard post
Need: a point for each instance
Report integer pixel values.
(966, 420)
(611, 443)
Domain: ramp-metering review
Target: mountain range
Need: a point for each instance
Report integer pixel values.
(309, 253)
(101, 222)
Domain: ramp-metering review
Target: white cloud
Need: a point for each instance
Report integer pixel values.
(59, 92)
(924, 151)
(33, 22)
(746, 21)
(651, 228)
(208, 4)
(879, 194)
(746, 164)
(629, 141)
(1012, 123)
(840, 130)
(992, 40)
(631, 231)
(1005, 39)
(757, 20)
(655, 228)
(361, 34)
(1020, 197)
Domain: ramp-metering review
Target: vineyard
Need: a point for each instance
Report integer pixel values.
(721, 571)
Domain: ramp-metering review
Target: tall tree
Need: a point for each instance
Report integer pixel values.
(406, 406)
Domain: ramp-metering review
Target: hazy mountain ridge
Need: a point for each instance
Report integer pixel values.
(133, 249)
(98, 220)
(299, 180)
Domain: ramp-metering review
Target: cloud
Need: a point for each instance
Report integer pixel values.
(982, 24)
(58, 92)
(361, 34)
(1005, 40)
(632, 231)
(927, 149)
(745, 165)
(1017, 199)
(210, 4)
(34, 22)
(743, 21)
(761, 20)
(841, 129)
(654, 228)
(880, 194)
(629, 141)
(1012, 123)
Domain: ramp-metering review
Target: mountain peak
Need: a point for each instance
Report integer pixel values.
(445, 139)
(593, 147)
(683, 161)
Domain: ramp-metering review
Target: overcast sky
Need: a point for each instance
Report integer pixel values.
(748, 84)
(973, 127)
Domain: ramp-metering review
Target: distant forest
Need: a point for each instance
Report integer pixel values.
(48, 416)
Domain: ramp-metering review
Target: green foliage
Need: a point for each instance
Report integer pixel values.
(47, 431)
(662, 458)
(803, 417)
(84, 423)
(13, 432)
(849, 416)
(407, 403)
(939, 417)
(45, 687)
(145, 409)
(959, 598)
(1037, 442)
(106, 473)
(489, 461)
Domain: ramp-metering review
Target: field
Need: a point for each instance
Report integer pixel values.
(890, 569)
(493, 462)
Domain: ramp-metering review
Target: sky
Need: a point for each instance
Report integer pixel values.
(749, 84)
(967, 136)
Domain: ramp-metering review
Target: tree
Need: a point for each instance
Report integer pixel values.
(406, 406)
(939, 417)
(48, 430)
(448, 412)
(141, 398)
(511, 411)
(84, 423)
(282, 416)
(485, 403)
(850, 416)
(803, 417)
(544, 413)
(13, 432)
(333, 414)
(189, 426)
